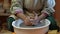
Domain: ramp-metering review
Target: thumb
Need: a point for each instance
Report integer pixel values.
(28, 17)
(35, 13)
(36, 17)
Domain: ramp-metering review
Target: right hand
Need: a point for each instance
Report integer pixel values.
(27, 21)
(36, 20)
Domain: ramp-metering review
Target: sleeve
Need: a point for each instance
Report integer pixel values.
(49, 7)
(16, 6)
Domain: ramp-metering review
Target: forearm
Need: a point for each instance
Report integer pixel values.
(17, 8)
(21, 15)
(43, 16)
(48, 7)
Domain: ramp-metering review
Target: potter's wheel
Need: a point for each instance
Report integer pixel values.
(19, 24)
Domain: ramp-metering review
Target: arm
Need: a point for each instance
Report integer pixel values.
(48, 9)
(17, 8)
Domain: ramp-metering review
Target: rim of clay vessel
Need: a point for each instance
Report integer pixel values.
(46, 25)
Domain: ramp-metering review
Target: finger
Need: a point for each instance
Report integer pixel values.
(36, 17)
(34, 23)
(28, 17)
(31, 20)
(35, 13)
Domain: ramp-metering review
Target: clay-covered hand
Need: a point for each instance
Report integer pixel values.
(27, 21)
(36, 20)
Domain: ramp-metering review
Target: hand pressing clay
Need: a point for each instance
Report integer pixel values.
(30, 20)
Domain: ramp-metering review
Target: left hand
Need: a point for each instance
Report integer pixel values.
(36, 20)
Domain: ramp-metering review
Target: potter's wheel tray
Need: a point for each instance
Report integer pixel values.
(19, 24)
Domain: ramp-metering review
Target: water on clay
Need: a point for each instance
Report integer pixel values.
(19, 24)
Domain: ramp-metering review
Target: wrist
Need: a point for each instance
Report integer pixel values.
(18, 11)
(21, 15)
(43, 16)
